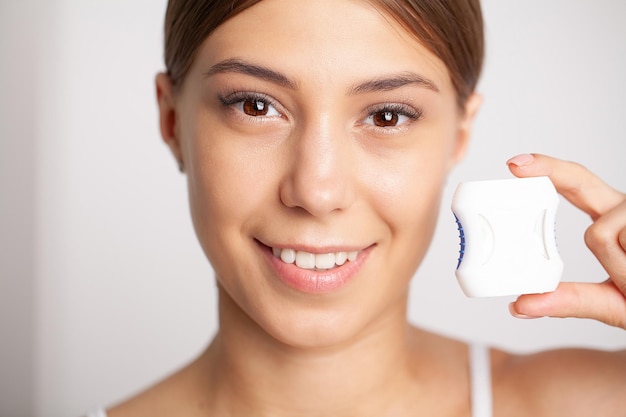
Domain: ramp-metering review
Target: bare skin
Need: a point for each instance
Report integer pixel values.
(313, 157)
(543, 384)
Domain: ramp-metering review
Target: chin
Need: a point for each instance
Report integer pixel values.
(322, 332)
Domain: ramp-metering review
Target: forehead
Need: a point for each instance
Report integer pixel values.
(327, 41)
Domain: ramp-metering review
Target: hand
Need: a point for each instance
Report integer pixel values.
(606, 238)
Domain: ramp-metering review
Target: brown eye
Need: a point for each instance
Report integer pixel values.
(255, 107)
(385, 118)
(389, 116)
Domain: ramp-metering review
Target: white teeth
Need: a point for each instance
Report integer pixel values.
(288, 256)
(307, 260)
(324, 260)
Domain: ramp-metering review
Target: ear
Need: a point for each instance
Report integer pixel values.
(168, 116)
(466, 124)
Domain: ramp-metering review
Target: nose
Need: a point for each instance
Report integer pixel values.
(318, 179)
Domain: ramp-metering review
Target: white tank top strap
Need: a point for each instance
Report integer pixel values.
(480, 380)
(98, 412)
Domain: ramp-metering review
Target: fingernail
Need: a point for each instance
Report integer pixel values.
(518, 315)
(521, 160)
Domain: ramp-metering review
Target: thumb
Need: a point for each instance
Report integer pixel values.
(600, 301)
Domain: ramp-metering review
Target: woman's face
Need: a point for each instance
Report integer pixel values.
(312, 132)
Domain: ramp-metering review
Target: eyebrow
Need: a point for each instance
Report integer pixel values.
(242, 67)
(393, 82)
(378, 84)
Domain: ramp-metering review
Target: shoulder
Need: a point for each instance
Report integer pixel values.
(572, 382)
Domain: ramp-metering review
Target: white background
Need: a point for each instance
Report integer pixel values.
(103, 288)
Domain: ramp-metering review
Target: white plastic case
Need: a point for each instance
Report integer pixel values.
(507, 233)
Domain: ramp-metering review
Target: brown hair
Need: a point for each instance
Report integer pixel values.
(451, 29)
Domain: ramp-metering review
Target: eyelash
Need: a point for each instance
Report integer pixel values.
(403, 109)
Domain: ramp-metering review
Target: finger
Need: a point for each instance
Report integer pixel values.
(606, 238)
(575, 182)
(602, 301)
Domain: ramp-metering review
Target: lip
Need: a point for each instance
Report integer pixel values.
(311, 281)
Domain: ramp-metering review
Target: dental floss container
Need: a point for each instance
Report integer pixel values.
(507, 237)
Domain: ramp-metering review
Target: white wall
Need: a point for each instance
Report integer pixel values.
(18, 96)
(110, 283)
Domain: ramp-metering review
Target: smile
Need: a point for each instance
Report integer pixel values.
(317, 261)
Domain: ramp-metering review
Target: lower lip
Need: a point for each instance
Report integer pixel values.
(313, 281)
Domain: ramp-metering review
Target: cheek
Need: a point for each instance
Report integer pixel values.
(410, 208)
(409, 186)
(225, 186)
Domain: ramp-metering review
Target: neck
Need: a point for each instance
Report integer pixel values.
(264, 376)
